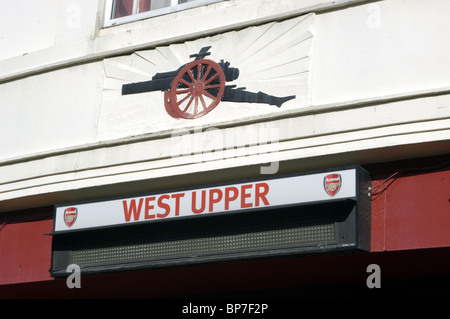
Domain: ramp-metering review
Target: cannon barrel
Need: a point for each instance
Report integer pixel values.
(147, 86)
(166, 75)
(233, 94)
(162, 81)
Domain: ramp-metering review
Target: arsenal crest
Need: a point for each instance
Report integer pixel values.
(70, 216)
(332, 184)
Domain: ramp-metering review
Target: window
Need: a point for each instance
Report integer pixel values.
(123, 11)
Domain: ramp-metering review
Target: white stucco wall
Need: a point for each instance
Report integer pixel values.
(27, 26)
(50, 111)
(377, 88)
(381, 49)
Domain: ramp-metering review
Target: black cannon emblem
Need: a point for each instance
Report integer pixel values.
(196, 88)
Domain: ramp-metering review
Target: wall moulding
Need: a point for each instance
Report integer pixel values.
(420, 128)
(273, 58)
(101, 43)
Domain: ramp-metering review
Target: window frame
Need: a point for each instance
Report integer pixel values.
(174, 7)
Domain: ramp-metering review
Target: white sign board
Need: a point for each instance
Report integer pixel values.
(252, 195)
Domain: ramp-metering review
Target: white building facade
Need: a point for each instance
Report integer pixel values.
(365, 83)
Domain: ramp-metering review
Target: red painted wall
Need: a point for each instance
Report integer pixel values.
(411, 206)
(25, 252)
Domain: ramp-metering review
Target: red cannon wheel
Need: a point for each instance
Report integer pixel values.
(196, 90)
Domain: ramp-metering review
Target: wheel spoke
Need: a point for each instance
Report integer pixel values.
(191, 76)
(199, 71)
(181, 80)
(185, 98)
(203, 101)
(196, 105)
(209, 95)
(184, 91)
(189, 104)
(211, 78)
(208, 70)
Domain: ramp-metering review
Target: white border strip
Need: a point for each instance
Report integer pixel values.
(255, 195)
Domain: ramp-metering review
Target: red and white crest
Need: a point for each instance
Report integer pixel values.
(70, 216)
(332, 184)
